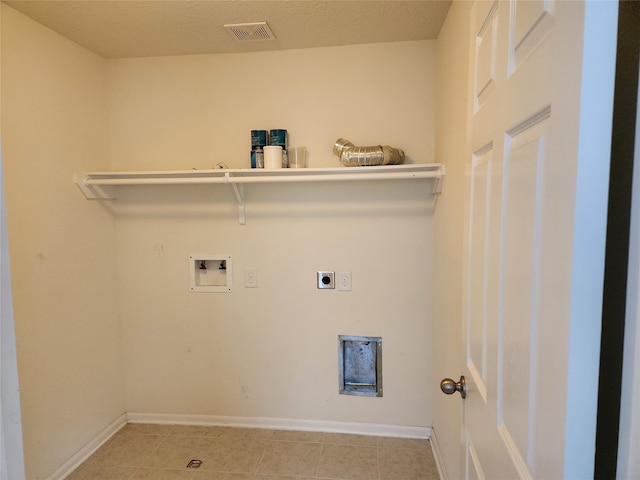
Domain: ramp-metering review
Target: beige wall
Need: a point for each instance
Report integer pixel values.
(195, 111)
(62, 247)
(453, 57)
(272, 351)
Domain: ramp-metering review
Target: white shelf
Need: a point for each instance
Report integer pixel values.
(99, 185)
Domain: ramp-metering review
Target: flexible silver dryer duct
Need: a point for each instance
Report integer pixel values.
(352, 156)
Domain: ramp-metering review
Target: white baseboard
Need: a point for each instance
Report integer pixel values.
(283, 424)
(86, 451)
(437, 454)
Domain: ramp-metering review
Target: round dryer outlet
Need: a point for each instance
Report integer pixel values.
(326, 280)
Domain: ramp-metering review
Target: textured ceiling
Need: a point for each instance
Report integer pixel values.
(142, 28)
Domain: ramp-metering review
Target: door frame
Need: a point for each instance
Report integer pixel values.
(617, 243)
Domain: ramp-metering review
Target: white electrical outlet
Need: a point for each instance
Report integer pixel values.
(344, 281)
(251, 278)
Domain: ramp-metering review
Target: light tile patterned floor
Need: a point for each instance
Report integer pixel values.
(162, 452)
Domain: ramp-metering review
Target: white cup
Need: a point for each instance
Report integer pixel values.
(272, 156)
(297, 157)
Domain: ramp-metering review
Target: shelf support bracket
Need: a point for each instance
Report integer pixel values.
(437, 184)
(238, 190)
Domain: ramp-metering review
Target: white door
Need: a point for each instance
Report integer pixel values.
(541, 92)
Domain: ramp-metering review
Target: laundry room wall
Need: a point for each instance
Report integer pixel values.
(62, 248)
(272, 351)
(105, 321)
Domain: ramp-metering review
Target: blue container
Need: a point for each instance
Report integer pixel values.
(258, 139)
(257, 158)
(278, 138)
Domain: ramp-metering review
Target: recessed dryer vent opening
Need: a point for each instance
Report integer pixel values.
(360, 365)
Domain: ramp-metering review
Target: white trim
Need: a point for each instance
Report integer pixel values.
(283, 424)
(437, 454)
(85, 452)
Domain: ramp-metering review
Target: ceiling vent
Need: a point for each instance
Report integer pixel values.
(250, 32)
